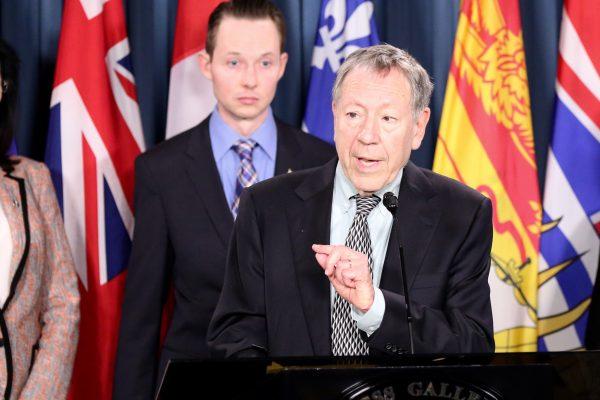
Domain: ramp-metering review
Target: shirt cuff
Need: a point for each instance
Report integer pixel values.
(370, 321)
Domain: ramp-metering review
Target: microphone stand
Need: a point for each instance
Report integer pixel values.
(390, 201)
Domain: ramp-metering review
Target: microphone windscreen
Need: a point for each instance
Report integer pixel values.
(390, 201)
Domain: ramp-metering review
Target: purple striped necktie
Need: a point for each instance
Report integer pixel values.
(247, 175)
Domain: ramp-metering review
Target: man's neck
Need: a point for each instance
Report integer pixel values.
(243, 126)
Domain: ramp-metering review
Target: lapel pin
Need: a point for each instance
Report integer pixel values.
(289, 170)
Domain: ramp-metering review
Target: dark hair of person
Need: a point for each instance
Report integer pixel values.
(9, 69)
(244, 9)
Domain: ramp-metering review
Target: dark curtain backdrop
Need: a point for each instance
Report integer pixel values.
(425, 28)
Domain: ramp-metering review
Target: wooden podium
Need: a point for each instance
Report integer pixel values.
(568, 375)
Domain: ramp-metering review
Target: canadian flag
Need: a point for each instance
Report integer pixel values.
(191, 96)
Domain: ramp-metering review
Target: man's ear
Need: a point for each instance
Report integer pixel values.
(422, 121)
(283, 59)
(205, 64)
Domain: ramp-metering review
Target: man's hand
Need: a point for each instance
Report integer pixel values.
(348, 271)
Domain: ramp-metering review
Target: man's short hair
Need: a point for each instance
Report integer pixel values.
(244, 9)
(382, 58)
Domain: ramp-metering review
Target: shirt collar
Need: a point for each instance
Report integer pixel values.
(222, 136)
(344, 190)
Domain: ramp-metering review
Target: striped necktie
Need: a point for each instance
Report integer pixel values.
(247, 175)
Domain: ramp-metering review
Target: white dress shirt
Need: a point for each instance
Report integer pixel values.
(6, 249)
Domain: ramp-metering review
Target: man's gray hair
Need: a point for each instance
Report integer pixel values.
(382, 58)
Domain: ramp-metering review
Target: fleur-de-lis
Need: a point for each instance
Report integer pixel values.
(334, 47)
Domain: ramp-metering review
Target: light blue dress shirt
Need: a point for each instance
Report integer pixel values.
(222, 137)
(379, 221)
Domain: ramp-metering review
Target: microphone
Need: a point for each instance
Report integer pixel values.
(390, 201)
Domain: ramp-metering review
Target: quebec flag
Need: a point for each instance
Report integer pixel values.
(344, 26)
(570, 240)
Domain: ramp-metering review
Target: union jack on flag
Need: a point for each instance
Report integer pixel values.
(95, 134)
(570, 240)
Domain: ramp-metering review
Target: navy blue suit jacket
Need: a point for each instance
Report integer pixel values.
(182, 228)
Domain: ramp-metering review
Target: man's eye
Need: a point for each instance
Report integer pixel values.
(266, 63)
(387, 118)
(352, 114)
(233, 63)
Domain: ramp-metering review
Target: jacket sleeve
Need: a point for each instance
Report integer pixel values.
(238, 326)
(51, 372)
(145, 293)
(464, 324)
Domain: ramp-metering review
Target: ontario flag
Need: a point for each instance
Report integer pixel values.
(191, 97)
(570, 243)
(486, 141)
(95, 134)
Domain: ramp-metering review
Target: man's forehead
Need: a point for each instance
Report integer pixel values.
(360, 72)
(363, 79)
(238, 53)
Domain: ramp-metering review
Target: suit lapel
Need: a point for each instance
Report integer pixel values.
(12, 204)
(288, 150)
(202, 170)
(417, 218)
(309, 224)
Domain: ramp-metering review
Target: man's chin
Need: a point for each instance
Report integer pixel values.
(367, 185)
(248, 112)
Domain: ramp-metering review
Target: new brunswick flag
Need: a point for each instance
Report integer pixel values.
(486, 142)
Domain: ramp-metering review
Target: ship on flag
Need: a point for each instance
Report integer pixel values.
(570, 241)
(95, 133)
(344, 26)
(486, 141)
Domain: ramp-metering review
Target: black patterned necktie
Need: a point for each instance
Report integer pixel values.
(345, 339)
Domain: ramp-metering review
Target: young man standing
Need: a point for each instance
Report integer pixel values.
(188, 188)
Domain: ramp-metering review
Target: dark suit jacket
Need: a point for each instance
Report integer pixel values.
(182, 228)
(276, 298)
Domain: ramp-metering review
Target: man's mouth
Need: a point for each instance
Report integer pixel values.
(367, 163)
(248, 100)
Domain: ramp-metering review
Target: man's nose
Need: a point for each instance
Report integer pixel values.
(249, 79)
(369, 134)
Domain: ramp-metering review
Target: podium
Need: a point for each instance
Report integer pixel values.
(567, 375)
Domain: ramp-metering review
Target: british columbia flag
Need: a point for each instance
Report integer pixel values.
(570, 240)
(95, 134)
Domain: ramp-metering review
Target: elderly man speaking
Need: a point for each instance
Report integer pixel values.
(314, 264)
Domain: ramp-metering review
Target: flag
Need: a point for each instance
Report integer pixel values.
(344, 26)
(191, 97)
(570, 241)
(95, 133)
(486, 141)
